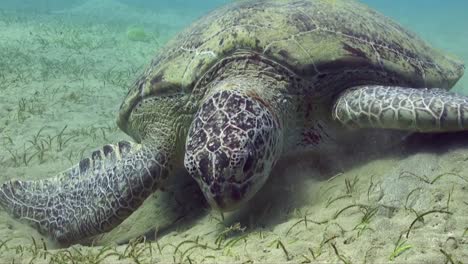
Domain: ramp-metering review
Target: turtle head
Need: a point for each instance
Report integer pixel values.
(231, 146)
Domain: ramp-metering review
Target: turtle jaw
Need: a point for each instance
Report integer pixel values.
(228, 179)
(223, 192)
(231, 198)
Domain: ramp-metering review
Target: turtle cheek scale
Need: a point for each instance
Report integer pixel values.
(230, 153)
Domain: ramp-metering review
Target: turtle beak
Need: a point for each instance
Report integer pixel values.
(219, 203)
(227, 197)
(223, 203)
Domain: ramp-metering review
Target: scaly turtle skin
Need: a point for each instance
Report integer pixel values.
(242, 87)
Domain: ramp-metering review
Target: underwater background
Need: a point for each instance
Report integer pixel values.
(66, 65)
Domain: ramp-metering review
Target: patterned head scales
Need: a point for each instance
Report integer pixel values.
(231, 148)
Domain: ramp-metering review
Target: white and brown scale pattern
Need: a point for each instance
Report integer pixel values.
(91, 197)
(424, 110)
(232, 145)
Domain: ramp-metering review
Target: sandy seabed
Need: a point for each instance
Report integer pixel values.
(61, 82)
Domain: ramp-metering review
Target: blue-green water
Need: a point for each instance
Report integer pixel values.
(442, 23)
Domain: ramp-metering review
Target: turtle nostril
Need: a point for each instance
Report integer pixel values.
(203, 166)
(248, 163)
(215, 188)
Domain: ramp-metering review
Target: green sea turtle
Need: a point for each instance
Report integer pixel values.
(243, 86)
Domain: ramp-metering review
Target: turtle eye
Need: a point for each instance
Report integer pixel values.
(163, 88)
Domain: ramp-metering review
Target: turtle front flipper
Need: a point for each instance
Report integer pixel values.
(422, 110)
(90, 198)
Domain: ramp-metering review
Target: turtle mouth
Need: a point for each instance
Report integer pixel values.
(228, 198)
(226, 179)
